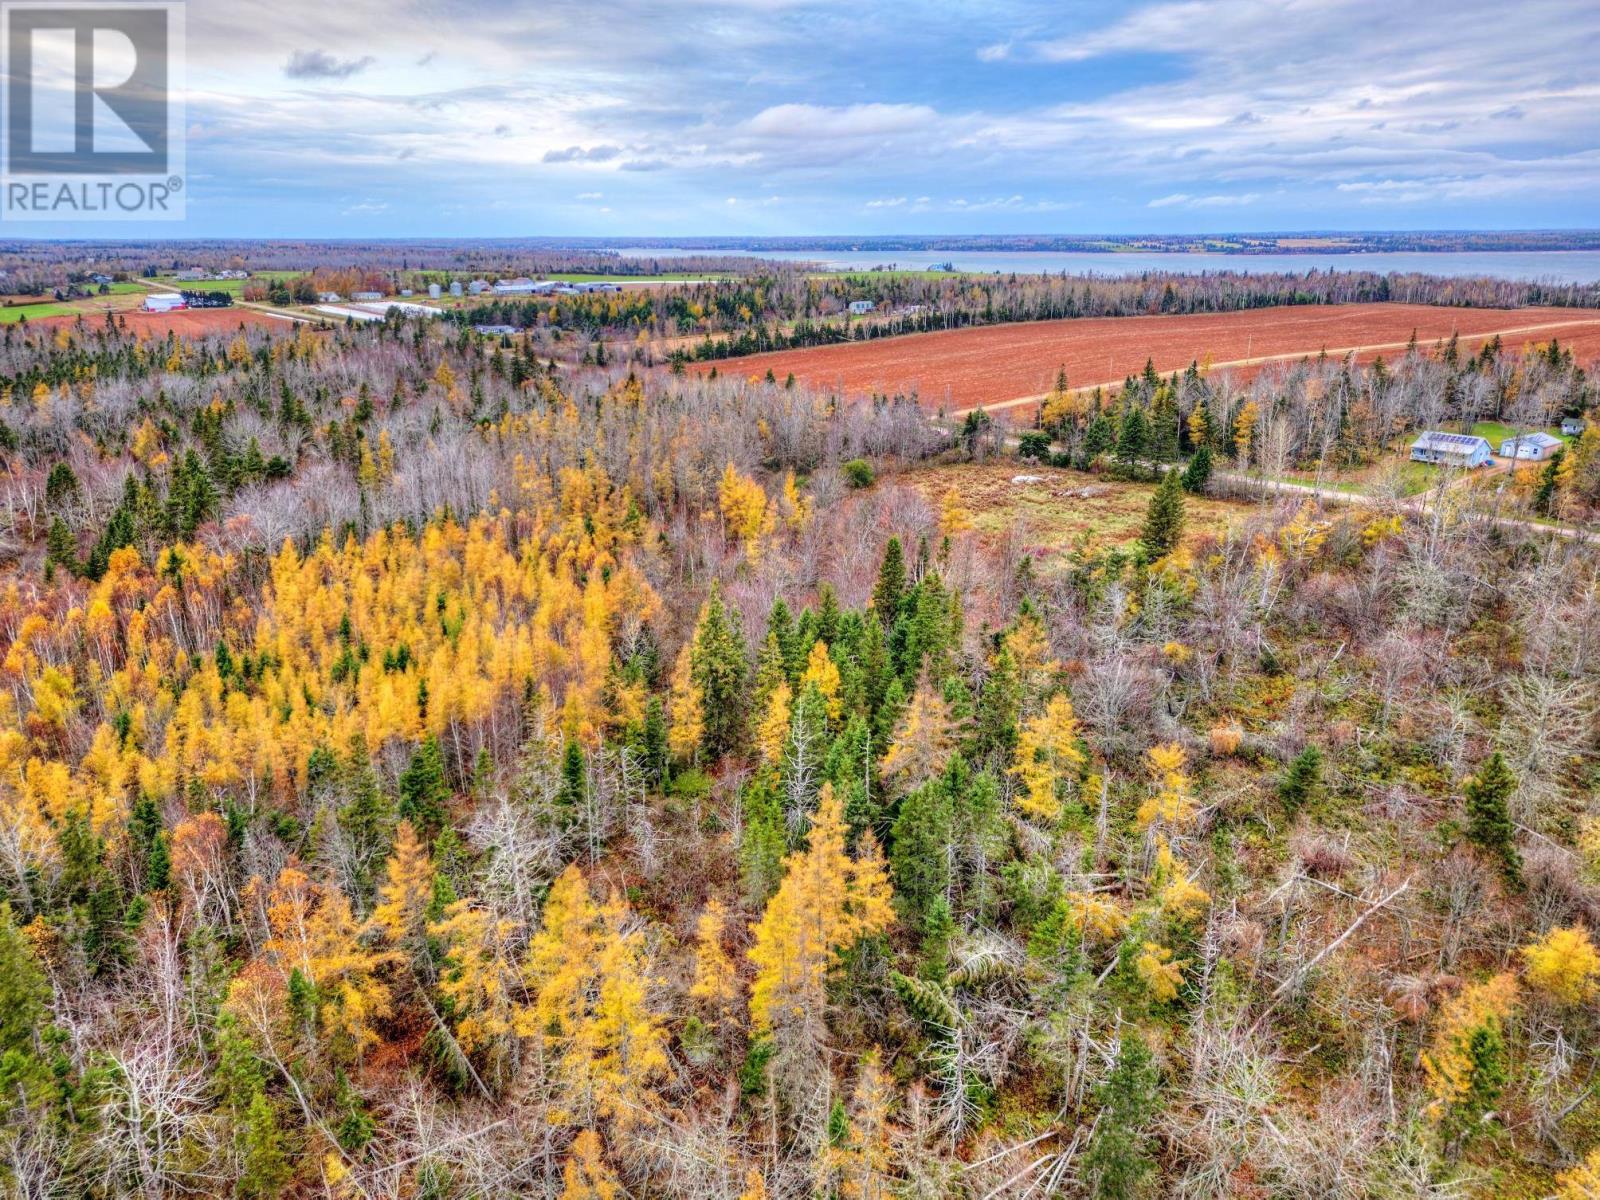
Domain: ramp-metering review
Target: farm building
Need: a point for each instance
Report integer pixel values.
(455, 287)
(366, 295)
(516, 287)
(1572, 426)
(858, 307)
(1530, 447)
(435, 291)
(477, 287)
(1451, 449)
(164, 302)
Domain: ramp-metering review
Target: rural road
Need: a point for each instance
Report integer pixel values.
(1416, 505)
(1289, 356)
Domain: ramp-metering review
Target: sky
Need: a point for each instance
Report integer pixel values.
(364, 118)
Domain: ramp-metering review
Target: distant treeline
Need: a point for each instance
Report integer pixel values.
(790, 309)
(491, 258)
(1216, 243)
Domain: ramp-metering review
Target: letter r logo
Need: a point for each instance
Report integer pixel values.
(87, 89)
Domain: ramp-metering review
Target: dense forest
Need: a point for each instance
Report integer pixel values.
(428, 772)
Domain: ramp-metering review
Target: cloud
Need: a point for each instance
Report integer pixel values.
(891, 202)
(995, 53)
(319, 64)
(597, 154)
(842, 122)
(1219, 200)
(590, 196)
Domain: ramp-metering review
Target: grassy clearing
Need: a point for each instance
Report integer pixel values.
(1063, 511)
(1496, 432)
(10, 314)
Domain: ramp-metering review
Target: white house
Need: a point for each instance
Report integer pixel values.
(1573, 426)
(1451, 449)
(858, 307)
(1530, 447)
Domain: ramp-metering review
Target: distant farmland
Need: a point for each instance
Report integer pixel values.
(1008, 367)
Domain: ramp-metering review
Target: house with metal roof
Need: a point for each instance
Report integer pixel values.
(1530, 447)
(1451, 449)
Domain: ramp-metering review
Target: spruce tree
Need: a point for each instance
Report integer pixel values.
(264, 1167)
(425, 790)
(1163, 521)
(1302, 780)
(1133, 440)
(920, 860)
(1118, 1158)
(719, 669)
(1198, 473)
(1489, 825)
(891, 585)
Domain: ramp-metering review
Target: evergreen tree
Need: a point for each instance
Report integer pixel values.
(919, 863)
(60, 547)
(1198, 473)
(574, 782)
(425, 789)
(1118, 1158)
(1163, 521)
(1099, 438)
(891, 585)
(719, 669)
(1489, 824)
(1133, 439)
(265, 1167)
(1302, 781)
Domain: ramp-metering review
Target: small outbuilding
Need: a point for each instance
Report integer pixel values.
(1530, 447)
(1451, 449)
(1573, 426)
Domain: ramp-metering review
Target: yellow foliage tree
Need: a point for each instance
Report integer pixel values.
(821, 672)
(685, 710)
(954, 517)
(1048, 759)
(826, 903)
(480, 979)
(1459, 1067)
(1563, 965)
(716, 981)
(772, 732)
(922, 741)
(587, 1175)
(1170, 802)
(745, 512)
(1159, 974)
(402, 913)
(1581, 1182)
(588, 979)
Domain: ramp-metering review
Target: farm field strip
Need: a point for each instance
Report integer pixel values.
(997, 367)
(1361, 352)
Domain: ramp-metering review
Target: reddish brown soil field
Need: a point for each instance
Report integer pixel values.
(1004, 367)
(189, 321)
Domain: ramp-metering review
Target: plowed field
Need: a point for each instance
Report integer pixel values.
(1008, 367)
